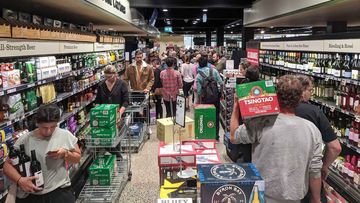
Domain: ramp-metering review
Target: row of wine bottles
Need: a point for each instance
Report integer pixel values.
(338, 65)
(346, 97)
(25, 165)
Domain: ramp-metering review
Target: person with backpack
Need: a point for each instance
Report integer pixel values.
(171, 83)
(208, 81)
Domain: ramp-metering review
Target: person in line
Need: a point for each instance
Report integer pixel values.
(139, 74)
(205, 72)
(287, 153)
(188, 79)
(113, 90)
(157, 88)
(54, 147)
(219, 62)
(171, 81)
(195, 72)
(315, 115)
(243, 66)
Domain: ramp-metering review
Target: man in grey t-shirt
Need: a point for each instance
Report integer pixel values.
(53, 147)
(286, 153)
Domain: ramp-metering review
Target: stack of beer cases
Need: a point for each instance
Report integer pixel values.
(103, 120)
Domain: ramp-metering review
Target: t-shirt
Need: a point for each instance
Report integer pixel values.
(316, 116)
(286, 154)
(187, 72)
(118, 95)
(54, 170)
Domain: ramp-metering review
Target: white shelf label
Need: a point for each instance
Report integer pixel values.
(75, 47)
(102, 47)
(24, 47)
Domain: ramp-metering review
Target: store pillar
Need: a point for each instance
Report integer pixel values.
(220, 36)
(247, 35)
(208, 38)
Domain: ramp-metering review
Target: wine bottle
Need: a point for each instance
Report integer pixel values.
(347, 67)
(13, 154)
(330, 68)
(24, 161)
(317, 66)
(337, 67)
(355, 67)
(36, 170)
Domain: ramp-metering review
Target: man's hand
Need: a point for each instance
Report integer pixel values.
(324, 173)
(27, 185)
(59, 154)
(146, 90)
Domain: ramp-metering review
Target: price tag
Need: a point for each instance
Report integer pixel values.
(327, 78)
(332, 108)
(343, 82)
(11, 91)
(31, 85)
(180, 111)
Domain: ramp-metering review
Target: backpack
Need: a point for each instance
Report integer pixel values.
(209, 88)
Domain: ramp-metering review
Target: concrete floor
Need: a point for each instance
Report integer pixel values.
(144, 186)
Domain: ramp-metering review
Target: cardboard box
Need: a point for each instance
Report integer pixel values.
(208, 159)
(64, 68)
(11, 78)
(104, 115)
(169, 178)
(110, 132)
(42, 62)
(53, 71)
(165, 130)
(102, 170)
(45, 73)
(257, 99)
(5, 31)
(205, 121)
(201, 144)
(52, 61)
(239, 182)
(167, 156)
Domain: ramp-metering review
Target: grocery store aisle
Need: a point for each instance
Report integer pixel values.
(144, 186)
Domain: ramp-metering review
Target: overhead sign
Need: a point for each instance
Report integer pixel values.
(348, 46)
(313, 45)
(119, 8)
(331, 45)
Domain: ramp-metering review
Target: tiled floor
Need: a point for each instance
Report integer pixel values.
(144, 186)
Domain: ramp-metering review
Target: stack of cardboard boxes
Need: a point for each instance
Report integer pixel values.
(103, 120)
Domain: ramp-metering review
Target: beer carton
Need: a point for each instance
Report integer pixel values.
(205, 121)
(102, 170)
(168, 156)
(165, 130)
(230, 183)
(104, 132)
(257, 99)
(104, 115)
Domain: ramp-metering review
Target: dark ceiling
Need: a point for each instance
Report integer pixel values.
(187, 16)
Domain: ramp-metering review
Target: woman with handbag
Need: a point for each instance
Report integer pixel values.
(157, 88)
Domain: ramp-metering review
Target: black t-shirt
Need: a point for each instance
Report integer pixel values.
(316, 116)
(118, 95)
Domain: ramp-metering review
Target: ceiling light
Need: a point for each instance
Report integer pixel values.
(197, 19)
(165, 10)
(232, 25)
(167, 19)
(205, 10)
(262, 31)
(228, 27)
(237, 23)
(271, 27)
